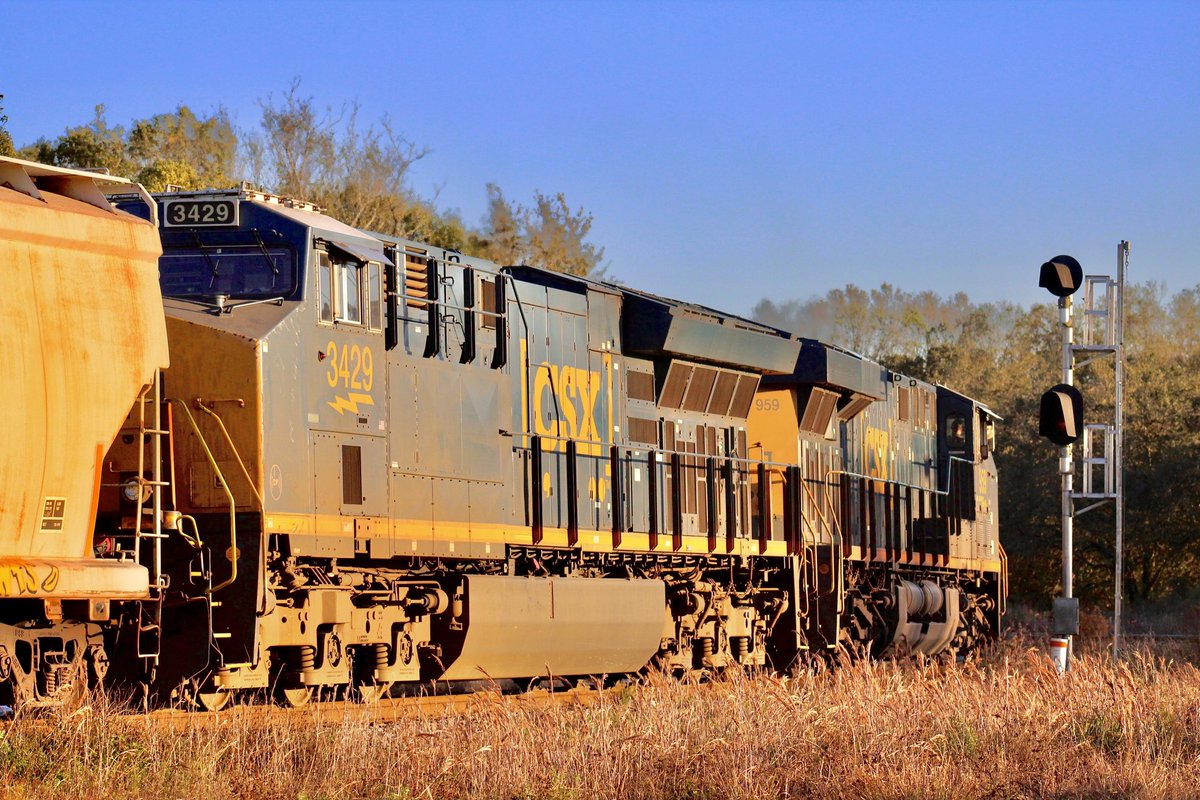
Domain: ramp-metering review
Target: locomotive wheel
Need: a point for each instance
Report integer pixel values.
(298, 696)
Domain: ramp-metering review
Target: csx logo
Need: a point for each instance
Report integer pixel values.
(565, 405)
(876, 445)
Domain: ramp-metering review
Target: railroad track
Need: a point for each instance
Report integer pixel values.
(385, 710)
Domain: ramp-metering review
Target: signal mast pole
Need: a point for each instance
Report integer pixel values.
(1102, 322)
(1118, 448)
(1066, 469)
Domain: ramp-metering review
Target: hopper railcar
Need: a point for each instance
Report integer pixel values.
(405, 465)
(84, 340)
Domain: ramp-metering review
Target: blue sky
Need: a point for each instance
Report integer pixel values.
(728, 151)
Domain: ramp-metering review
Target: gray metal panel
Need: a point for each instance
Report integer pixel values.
(603, 320)
(287, 454)
(569, 301)
(518, 627)
(484, 408)
(411, 511)
(439, 434)
(451, 503)
(700, 339)
(818, 363)
(403, 412)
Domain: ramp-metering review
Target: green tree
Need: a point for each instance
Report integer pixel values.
(6, 142)
(548, 235)
(96, 145)
(357, 172)
(184, 149)
(556, 237)
(500, 240)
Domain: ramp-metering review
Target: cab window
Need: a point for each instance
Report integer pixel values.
(956, 432)
(375, 295)
(351, 293)
(988, 446)
(326, 278)
(348, 276)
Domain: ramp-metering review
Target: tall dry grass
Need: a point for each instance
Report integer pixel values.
(999, 727)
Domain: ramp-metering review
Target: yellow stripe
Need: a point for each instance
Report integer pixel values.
(426, 533)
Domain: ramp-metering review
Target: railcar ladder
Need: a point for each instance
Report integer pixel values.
(151, 436)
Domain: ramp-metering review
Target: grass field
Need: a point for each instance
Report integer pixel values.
(1002, 726)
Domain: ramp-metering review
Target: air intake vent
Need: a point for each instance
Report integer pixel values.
(416, 278)
(709, 390)
(640, 385)
(352, 494)
(819, 408)
(643, 431)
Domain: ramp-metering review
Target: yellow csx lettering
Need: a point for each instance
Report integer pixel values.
(564, 406)
(875, 444)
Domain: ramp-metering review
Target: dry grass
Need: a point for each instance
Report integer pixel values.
(1005, 726)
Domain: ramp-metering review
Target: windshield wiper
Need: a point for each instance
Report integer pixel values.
(212, 265)
(262, 247)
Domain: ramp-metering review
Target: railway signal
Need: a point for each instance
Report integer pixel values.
(1101, 333)
(1061, 276)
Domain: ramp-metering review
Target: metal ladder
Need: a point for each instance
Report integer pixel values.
(149, 639)
(1099, 459)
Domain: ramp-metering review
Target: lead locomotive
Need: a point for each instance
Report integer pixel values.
(384, 464)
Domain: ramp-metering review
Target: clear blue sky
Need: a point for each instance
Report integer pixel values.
(729, 151)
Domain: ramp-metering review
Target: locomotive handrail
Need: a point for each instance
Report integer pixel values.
(1003, 579)
(212, 462)
(943, 492)
(232, 447)
(835, 539)
(775, 466)
(532, 443)
(451, 306)
(935, 491)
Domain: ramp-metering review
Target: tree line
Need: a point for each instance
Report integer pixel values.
(1006, 356)
(358, 172)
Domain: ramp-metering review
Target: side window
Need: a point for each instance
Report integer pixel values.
(988, 445)
(349, 284)
(325, 267)
(351, 293)
(956, 433)
(374, 296)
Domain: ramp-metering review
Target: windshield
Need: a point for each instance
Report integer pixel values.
(234, 270)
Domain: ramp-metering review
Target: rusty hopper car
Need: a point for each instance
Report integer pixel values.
(407, 465)
(83, 314)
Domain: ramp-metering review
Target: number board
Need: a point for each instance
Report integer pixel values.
(198, 213)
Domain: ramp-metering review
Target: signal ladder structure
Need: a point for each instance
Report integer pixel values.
(1102, 336)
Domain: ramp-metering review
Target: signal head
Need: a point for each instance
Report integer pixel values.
(1062, 276)
(1061, 418)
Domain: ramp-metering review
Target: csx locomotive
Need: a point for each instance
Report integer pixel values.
(377, 465)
